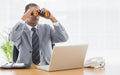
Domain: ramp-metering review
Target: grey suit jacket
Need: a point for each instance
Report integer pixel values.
(20, 38)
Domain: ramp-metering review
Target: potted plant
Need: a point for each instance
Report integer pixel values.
(6, 45)
(7, 49)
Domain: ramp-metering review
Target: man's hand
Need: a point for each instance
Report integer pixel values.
(51, 17)
(27, 14)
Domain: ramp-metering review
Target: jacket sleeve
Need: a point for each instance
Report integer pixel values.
(58, 33)
(16, 33)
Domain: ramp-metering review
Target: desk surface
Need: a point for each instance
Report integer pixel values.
(107, 70)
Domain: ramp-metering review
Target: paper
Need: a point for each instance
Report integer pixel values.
(13, 65)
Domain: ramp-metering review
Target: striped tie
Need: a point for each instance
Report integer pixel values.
(35, 46)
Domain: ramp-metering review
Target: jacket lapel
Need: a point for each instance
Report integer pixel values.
(27, 31)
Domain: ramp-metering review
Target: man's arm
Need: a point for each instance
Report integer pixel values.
(19, 27)
(53, 19)
(15, 35)
(58, 33)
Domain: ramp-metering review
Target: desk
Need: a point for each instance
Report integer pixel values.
(107, 70)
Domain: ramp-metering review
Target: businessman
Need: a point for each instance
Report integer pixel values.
(34, 40)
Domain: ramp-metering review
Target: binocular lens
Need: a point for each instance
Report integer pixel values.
(38, 13)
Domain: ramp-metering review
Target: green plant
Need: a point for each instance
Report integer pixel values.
(7, 49)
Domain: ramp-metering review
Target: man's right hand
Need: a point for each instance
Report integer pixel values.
(27, 14)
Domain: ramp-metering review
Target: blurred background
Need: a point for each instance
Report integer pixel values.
(92, 22)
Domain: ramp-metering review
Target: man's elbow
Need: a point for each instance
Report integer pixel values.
(65, 39)
(10, 38)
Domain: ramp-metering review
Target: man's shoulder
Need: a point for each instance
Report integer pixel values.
(18, 26)
(43, 25)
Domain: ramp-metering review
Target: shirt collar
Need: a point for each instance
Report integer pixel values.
(30, 27)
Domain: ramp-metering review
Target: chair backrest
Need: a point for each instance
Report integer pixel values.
(15, 54)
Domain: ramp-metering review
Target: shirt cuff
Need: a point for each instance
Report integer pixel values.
(56, 23)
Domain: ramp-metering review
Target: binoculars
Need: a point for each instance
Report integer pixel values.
(39, 13)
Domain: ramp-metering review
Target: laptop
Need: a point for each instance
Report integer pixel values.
(66, 57)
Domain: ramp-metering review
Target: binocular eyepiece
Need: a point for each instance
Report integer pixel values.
(39, 13)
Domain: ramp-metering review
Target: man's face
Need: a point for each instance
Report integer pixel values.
(32, 19)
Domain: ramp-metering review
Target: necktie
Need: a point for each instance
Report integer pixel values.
(35, 46)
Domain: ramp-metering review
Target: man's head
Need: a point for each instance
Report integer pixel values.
(32, 20)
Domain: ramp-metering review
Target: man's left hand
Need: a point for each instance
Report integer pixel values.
(51, 17)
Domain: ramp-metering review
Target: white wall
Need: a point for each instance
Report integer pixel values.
(92, 22)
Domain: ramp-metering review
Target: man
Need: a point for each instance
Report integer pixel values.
(33, 40)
